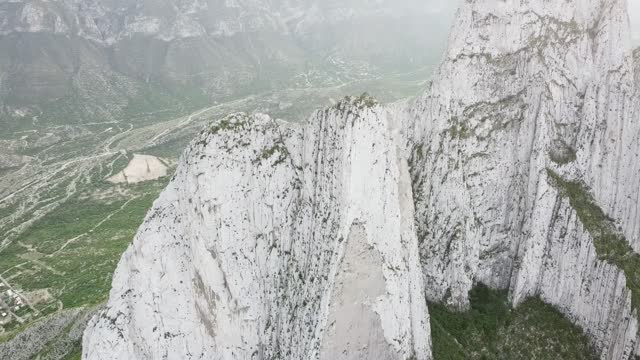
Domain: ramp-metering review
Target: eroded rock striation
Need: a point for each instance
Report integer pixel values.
(276, 242)
(517, 169)
(534, 108)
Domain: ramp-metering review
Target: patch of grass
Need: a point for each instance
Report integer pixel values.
(536, 330)
(366, 101)
(611, 246)
(6, 171)
(171, 149)
(79, 274)
(120, 163)
(88, 264)
(491, 330)
(68, 221)
(75, 148)
(155, 102)
(75, 354)
(8, 209)
(278, 148)
(231, 122)
(460, 131)
(471, 334)
(12, 330)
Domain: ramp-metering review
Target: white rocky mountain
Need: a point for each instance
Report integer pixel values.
(518, 169)
(300, 229)
(525, 163)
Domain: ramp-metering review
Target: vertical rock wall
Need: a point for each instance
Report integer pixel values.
(275, 242)
(530, 89)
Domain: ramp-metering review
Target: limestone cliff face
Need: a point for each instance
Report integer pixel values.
(517, 169)
(276, 242)
(530, 91)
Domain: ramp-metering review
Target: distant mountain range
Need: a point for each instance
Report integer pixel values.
(73, 61)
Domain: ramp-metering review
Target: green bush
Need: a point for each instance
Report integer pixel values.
(491, 330)
(610, 244)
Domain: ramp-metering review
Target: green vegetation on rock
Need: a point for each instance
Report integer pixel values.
(367, 101)
(611, 245)
(460, 131)
(562, 153)
(278, 148)
(75, 354)
(231, 122)
(492, 330)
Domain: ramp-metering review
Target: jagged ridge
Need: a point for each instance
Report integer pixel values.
(276, 242)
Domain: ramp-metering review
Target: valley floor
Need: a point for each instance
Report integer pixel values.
(68, 208)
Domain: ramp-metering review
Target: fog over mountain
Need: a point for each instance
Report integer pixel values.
(76, 60)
